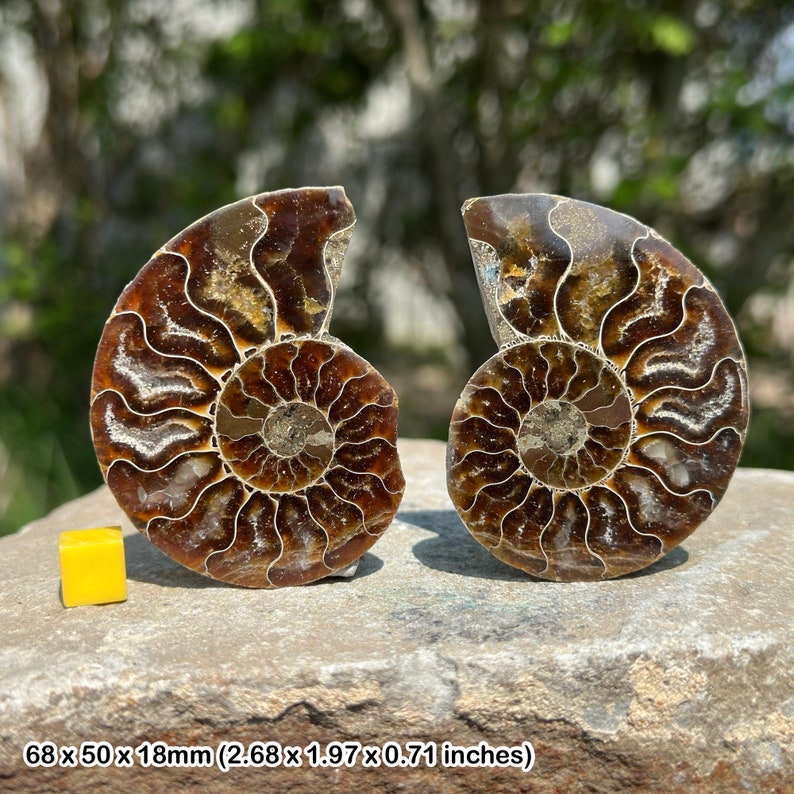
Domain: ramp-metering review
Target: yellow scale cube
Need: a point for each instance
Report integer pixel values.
(92, 566)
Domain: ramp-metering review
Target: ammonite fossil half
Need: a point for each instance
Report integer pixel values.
(235, 432)
(608, 424)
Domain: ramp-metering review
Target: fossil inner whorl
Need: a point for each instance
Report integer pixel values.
(271, 443)
(293, 428)
(580, 432)
(559, 427)
(570, 418)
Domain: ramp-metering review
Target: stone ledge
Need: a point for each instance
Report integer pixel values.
(676, 679)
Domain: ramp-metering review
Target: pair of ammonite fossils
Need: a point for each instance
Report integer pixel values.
(253, 447)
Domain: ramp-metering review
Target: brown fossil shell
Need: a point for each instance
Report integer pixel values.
(608, 425)
(241, 437)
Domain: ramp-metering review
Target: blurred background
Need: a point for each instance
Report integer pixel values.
(121, 122)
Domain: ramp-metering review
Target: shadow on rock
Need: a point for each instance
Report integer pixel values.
(454, 550)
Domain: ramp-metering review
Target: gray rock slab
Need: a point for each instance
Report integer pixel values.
(677, 679)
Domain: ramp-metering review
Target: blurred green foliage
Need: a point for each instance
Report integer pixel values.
(122, 122)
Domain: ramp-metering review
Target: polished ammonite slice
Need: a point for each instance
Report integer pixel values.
(608, 425)
(241, 437)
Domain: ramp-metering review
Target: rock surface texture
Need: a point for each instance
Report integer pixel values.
(677, 679)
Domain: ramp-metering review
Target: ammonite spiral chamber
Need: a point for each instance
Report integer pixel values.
(241, 437)
(608, 425)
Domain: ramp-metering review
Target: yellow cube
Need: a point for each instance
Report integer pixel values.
(92, 566)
